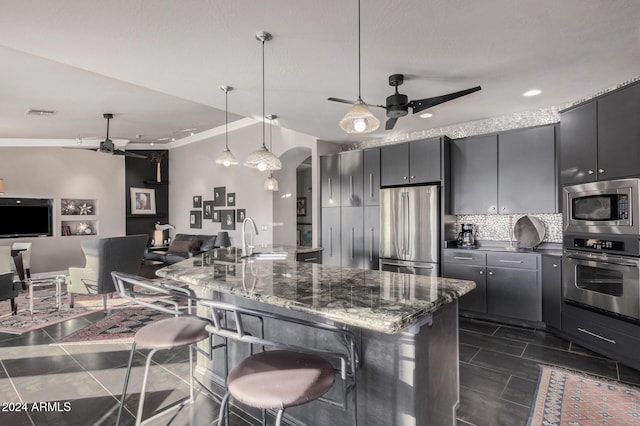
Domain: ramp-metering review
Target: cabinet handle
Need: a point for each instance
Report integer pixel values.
(371, 185)
(351, 187)
(331, 241)
(492, 208)
(504, 208)
(413, 177)
(404, 177)
(481, 272)
(590, 172)
(555, 265)
(510, 261)
(310, 259)
(601, 171)
(371, 246)
(462, 258)
(590, 333)
(330, 191)
(490, 272)
(352, 242)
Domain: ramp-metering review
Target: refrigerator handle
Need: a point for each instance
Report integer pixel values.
(407, 224)
(351, 187)
(402, 243)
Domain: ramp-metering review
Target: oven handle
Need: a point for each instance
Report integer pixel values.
(612, 261)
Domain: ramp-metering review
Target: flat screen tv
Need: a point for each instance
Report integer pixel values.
(26, 217)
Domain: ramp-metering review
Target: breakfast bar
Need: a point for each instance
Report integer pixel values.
(405, 328)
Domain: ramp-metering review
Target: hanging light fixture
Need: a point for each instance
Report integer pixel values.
(271, 184)
(262, 159)
(226, 158)
(359, 119)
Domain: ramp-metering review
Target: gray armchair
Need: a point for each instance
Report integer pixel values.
(8, 288)
(103, 256)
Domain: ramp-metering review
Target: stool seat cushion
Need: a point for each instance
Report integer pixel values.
(280, 379)
(172, 333)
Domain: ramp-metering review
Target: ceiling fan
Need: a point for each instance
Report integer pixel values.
(397, 105)
(107, 145)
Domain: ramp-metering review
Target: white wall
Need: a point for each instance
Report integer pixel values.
(58, 173)
(194, 172)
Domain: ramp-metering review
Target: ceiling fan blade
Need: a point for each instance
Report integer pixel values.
(344, 101)
(422, 104)
(390, 123)
(129, 154)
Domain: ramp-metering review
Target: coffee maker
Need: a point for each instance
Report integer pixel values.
(466, 238)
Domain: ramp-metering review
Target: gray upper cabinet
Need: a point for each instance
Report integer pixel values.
(372, 177)
(330, 176)
(411, 163)
(526, 171)
(474, 164)
(512, 172)
(578, 144)
(619, 134)
(351, 184)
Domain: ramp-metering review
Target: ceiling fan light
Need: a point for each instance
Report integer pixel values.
(226, 158)
(359, 120)
(271, 183)
(262, 159)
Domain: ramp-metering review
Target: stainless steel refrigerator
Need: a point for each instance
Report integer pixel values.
(409, 229)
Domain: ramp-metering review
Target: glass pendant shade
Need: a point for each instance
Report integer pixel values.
(226, 158)
(262, 159)
(359, 119)
(271, 184)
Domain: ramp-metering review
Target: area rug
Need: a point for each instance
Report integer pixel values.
(119, 326)
(567, 398)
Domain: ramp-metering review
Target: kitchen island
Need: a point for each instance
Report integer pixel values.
(406, 329)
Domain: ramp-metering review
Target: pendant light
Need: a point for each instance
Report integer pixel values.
(271, 183)
(262, 159)
(359, 119)
(226, 158)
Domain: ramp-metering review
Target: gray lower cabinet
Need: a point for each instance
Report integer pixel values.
(331, 236)
(371, 237)
(352, 237)
(508, 285)
(552, 291)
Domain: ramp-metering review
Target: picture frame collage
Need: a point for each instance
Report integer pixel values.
(215, 211)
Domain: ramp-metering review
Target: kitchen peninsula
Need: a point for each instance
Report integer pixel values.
(406, 328)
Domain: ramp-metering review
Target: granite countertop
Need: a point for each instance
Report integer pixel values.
(383, 301)
(553, 249)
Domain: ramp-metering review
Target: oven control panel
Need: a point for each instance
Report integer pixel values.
(598, 244)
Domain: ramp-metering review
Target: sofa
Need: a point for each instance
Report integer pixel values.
(182, 247)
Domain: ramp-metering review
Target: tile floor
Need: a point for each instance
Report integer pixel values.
(498, 376)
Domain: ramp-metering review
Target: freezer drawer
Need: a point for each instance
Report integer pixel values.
(416, 268)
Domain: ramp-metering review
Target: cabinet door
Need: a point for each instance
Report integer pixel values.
(371, 237)
(578, 144)
(330, 176)
(527, 178)
(474, 175)
(331, 236)
(476, 299)
(352, 237)
(394, 164)
(514, 293)
(619, 134)
(424, 161)
(372, 177)
(552, 291)
(351, 185)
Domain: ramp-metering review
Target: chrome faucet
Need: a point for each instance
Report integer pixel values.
(247, 250)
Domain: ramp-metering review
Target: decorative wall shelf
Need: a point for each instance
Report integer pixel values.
(79, 217)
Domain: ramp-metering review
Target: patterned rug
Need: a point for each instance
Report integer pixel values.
(118, 327)
(567, 398)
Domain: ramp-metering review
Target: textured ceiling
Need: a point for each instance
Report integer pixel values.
(158, 65)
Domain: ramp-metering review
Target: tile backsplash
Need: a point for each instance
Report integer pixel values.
(495, 227)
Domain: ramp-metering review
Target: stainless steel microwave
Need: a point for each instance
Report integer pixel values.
(608, 207)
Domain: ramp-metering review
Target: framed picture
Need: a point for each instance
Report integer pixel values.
(143, 200)
(241, 214)
(219, 196)
(216, 216)
(301, 206)
(207, 209)
(195, 219)
(231, 199)
(197, 201)
(228, 219)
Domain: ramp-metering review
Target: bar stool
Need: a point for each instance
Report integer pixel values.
(167, 334)
(287, 376)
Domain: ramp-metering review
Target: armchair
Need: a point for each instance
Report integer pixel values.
(103, 256)
(8, 288)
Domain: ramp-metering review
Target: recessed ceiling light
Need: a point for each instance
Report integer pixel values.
(532, 92)
(426, 115)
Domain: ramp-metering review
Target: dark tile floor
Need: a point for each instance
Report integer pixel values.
(498, 376)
